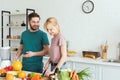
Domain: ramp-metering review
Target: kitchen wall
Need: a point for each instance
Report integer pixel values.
(0, 21)
(83, 31)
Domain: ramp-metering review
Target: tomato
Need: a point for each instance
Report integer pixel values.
(28, 78)
(22, 78)
(8, 68)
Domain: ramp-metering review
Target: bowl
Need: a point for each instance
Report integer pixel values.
(71, 53)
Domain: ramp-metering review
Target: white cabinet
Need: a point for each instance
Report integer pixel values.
(110, 73)
(69, 64)
(91, 68)
(78, 66)
(98, 70)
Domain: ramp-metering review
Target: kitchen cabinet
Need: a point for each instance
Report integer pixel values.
(98, 69)
(109, 73)
(78, 66)
(91, 68)
(97, 72)
(69, 64)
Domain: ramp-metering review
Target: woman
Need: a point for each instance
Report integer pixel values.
(58, 52)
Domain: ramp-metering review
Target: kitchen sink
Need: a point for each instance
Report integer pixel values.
(112, 61)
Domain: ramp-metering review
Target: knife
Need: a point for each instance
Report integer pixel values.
(43, 73)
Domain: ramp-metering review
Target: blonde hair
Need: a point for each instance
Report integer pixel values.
(52, 20)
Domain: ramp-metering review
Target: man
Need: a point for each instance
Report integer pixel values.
(33, 45)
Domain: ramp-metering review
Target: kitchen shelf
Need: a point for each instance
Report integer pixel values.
(13, 39)
(15, 14)
(14, 22)
(15, 27)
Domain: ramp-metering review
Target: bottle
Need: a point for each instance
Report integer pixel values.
(118, 51)
(67, 45)
(23, 24)
(16, 24)
(104, 51)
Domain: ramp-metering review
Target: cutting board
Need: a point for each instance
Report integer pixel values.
(3, 78)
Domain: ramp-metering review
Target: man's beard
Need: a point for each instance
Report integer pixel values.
(33, 28)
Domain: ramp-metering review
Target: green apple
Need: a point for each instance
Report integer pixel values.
(32, 74)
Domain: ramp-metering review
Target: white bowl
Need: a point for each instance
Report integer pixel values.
(5, 63)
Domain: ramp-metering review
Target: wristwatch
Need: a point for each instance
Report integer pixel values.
(87, 6)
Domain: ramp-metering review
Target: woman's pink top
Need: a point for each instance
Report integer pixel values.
(55, 51)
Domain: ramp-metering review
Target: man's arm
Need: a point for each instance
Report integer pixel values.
(40, 53)
(43, 52)
(19, 52)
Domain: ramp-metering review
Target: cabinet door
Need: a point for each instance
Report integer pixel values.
(110, 73)
(69, 65)
(91, 69)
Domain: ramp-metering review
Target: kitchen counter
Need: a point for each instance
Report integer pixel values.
(92, 61)
(98, 61)
(99, 69)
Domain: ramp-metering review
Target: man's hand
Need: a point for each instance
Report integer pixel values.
(29, 54)
(15, 57)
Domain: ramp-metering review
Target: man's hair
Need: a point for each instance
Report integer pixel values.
(31, 15)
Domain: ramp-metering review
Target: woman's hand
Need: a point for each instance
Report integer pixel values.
(49, 73)
(29, 54)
